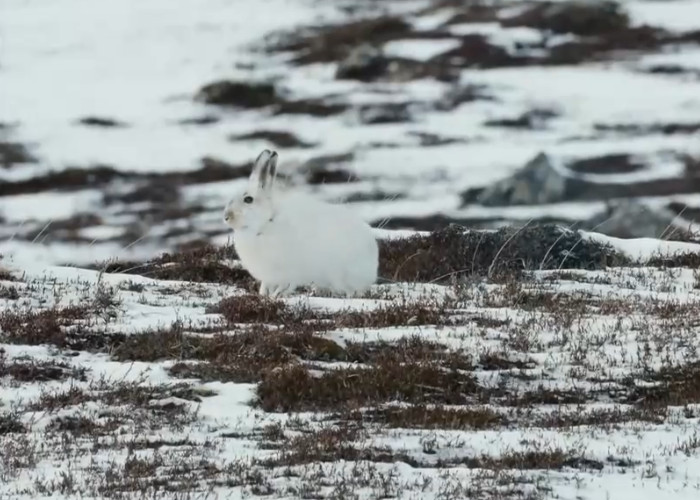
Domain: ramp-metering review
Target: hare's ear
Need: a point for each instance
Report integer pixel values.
(264, 170)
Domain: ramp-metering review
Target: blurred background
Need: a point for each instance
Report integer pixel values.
(126, 125)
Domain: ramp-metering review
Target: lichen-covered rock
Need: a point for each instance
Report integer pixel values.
(537, 183)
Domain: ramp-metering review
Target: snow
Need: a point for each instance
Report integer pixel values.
(645, 248)
(141, 63)
(113, 65)
(655, 450)
(687, 58)
(673, 15)
(42, 206)
(421, 50)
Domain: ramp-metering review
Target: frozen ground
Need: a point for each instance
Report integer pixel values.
(133, 68)
(463, 375)
(567, 384)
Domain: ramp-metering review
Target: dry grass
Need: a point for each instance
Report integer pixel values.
(434, 417)
(519, 352)
(295, 388)
(30, 370)
(452, 252)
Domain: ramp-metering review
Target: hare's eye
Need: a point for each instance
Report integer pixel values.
(248, 199)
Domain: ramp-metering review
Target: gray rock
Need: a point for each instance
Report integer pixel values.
(536, 183)
(632, 219)
(12, 153)
(372, 114)
(240, 94)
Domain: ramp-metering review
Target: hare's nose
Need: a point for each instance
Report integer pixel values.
(228, 216)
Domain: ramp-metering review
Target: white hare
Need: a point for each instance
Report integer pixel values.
(286, 239)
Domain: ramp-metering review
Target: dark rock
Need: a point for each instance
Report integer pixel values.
(591, 17)
(430, 140)
(66, 180)
(213, 169)
(154, 191)
(312, 107)
(632, 219)
(98, 121)
(365, 63)
(686, 211)
(692, 166)
(473, 12)
(356, 47)
(65, 229)
(536, 183)
(200, 120)
(476, 51)
(329, 169)
(372, 114)
(607, 164)
(667, 69)
(471, 196)
(404, 70)
(240, 94)
(539, 182)
(532, 120)
(278, 138)
(336, 176)
(647, 129)
(435, 222)
(692, 36)
(98, 176)
(461, 94)
(12, 153)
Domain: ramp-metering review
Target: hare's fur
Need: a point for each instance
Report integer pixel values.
(288, 239)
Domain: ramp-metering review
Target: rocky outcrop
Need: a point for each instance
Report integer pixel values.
(537, 183)
(634, 219)
(540, 182)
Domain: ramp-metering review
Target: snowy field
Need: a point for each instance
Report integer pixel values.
(527, 362)
(570, 384)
